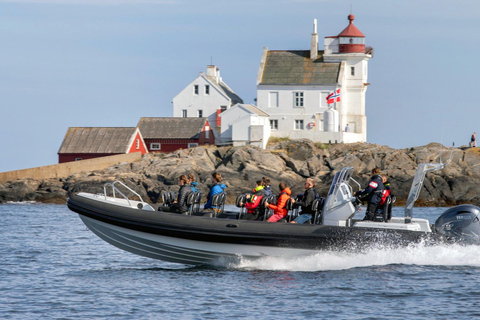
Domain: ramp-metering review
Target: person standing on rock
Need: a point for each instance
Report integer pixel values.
(373, 193)
(217, 187)
(473, 140)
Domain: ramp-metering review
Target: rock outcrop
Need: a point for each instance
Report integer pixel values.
(286, 161)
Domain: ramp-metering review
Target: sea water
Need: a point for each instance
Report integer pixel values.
(53, 267)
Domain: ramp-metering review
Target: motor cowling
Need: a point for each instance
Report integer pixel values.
(460, 224)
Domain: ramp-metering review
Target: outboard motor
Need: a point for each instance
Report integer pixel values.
(460, 224)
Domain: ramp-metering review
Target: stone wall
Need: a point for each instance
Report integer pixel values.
(63, 170)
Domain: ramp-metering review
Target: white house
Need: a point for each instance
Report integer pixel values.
(206, 96)
(292, 87)
(245, 124)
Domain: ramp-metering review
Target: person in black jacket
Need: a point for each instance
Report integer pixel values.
(309, 196)
(180, 205)
(373, 193)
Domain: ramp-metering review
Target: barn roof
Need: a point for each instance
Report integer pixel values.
(296, 68)
(97, 140)
(171, 127)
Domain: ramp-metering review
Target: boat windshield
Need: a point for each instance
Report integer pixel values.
(340, 180)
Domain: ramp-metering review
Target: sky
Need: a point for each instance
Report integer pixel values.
(106, 63)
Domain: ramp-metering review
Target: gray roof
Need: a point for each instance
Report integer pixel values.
(171, 127)
(222, 86)
(97, 140)
(254, 109)
(296, 67)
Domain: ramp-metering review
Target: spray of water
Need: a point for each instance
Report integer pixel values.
(453, 255)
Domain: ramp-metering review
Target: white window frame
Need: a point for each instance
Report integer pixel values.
(298, 99)
(137, 144)
(352, 71)
(207, 89)
(274, 124)
(299, 124)
(195, 89)
(184, 113)
(200, 113)
(154, 147)
(207, 132)
(192, 145)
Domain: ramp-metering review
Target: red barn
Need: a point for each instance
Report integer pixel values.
(173, 133)
(93, 142)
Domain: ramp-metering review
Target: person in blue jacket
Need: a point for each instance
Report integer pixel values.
(193, 182)
(217, 187)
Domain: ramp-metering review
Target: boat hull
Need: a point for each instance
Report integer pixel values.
(202, 240)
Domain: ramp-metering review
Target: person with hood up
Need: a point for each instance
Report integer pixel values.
(253, 202)
(217, 187)
(373, 193)
(279, 210)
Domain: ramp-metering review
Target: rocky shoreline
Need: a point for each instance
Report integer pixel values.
(283, 161)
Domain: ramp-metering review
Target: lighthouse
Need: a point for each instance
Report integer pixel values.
(348, 48)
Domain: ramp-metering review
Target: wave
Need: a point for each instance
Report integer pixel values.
(452, 255)
(22, 202)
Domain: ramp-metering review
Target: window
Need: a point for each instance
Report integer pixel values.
(207, 132)
(195, 89)
(273, 99)
(155, 146)
(184, 113)
(207, 89)
(78, 159)
(192, 145)
(298, 99)
(352, 71)
(137, 144)
(200, 113)
(223, 108)
(298, 124)
(274, 124)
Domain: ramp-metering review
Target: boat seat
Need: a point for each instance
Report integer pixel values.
(197, 201)
(168, 197)
(218, 201)
(317, 208)
(384, 213)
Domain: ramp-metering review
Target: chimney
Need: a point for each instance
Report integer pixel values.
(214, 72)
(314, 44)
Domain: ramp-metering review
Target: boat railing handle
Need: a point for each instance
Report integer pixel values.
(114, 188)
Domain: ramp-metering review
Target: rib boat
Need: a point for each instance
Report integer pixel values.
(138, 227)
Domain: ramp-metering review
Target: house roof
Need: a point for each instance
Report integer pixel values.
(97, 140)
(296, 67)
(171, 127)
(254, 109)
(225, 89)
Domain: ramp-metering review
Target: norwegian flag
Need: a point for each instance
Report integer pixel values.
(333, 97)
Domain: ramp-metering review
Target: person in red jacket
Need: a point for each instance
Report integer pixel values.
(254, 211)
(279, 210)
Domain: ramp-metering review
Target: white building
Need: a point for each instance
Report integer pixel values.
(292, 87)
(245, 124)
(206, 96)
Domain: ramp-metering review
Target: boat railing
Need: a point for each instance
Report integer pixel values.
(417, 183)
(116, 190)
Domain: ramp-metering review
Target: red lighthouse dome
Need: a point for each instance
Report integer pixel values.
(351, 40)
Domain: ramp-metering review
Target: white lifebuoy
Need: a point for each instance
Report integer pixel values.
(311, 124)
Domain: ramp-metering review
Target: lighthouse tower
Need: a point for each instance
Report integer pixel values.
(348, 47)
